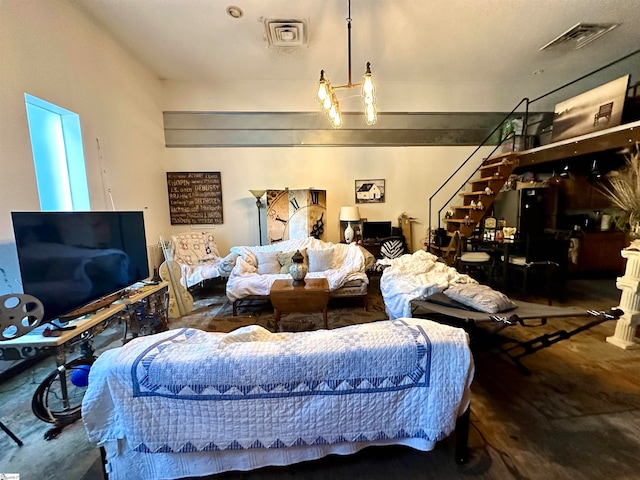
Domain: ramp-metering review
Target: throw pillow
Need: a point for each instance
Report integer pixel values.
(284, 258)
(268, 262)
(481, 297)
(320, 260)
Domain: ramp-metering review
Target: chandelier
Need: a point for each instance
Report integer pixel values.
(326, 93)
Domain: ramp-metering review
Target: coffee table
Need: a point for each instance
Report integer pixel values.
(313, 296)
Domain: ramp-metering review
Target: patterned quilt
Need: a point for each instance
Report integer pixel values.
(188, 390)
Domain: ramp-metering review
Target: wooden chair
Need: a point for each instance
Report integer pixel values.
(475, 263)
(449, 253)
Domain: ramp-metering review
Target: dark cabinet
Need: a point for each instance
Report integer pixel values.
(599, 252)
(579, 193)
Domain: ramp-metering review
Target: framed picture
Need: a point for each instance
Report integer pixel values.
(595, 110)
(370, 191)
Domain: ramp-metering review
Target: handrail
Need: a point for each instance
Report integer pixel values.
(464, 163)
(524, 130)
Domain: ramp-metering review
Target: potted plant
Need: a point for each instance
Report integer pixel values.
(622, 187)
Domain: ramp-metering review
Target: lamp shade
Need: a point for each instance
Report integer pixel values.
(258, 193)
(349, 214)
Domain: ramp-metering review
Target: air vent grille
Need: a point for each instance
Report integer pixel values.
(580, 35)
(285, 33)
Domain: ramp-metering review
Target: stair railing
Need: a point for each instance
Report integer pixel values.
(499, 126)
(493, 132)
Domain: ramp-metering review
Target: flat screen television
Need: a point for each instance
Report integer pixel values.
(71, 259)
(372, 231)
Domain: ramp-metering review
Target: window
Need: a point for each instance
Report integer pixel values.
(56, 143)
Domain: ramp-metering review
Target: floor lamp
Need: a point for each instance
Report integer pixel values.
(258, 194)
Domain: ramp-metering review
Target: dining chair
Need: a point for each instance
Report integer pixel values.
(542, 266)
(473, 261)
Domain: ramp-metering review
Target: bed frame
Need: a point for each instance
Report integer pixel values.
(461, 436)
(440, 308)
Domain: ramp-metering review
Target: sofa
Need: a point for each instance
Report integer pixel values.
(255, 268)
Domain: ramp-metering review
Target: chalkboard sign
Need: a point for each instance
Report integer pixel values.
(195, 198)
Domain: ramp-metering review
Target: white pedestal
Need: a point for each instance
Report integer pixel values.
(625, 332)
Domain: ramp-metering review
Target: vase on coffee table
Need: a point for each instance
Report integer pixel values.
(298, 269)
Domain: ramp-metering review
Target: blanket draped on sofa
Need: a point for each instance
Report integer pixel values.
(245, 281)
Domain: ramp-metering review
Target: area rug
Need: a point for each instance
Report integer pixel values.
(213, 312)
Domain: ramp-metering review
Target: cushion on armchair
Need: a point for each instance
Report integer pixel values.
(198, 257)
(194, 248)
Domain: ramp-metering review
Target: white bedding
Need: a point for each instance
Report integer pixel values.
(187, 402)
(244, 281)
(413, 277)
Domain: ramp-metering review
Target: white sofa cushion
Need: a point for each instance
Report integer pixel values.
(268, 262)
(284, 258)
(320, 260)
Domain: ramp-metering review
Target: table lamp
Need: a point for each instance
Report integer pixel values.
(349, 214)
(258, 194)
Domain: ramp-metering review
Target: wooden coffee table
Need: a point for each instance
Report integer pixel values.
(313, 296)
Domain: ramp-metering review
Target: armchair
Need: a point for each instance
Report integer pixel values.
(198, 257)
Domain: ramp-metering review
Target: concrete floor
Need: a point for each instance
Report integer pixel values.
(575, 416)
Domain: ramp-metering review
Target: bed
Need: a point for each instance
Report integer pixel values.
(413, 277)
(191, 403)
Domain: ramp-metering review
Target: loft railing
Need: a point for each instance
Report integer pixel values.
(498, 127)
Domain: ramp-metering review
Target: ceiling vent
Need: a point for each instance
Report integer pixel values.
(285, 33)
(580, 35)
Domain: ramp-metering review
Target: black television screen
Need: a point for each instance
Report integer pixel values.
(376, 230)
(70, 259)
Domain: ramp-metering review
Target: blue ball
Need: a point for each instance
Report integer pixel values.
(80, 375)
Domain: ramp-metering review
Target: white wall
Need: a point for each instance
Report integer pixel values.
(411, 174)
(50, 50)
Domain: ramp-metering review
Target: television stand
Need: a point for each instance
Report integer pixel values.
(91, 307)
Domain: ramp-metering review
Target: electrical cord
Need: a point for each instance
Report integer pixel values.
(45, 392)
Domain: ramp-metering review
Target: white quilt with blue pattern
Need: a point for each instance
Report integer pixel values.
(187, 390)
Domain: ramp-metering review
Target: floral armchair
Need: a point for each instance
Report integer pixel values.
(198, 257)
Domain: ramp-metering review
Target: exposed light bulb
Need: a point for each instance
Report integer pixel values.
(370, 115)
(368, 87)
(336, 121)
(327, 103)
(322, 92)
(333, 111)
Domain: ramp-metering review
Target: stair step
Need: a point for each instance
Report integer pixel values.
(459, 220)
(469, 194)
(487, 166)
(487, 179)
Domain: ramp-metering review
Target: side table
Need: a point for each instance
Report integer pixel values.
(145, 310)
(313, 296)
